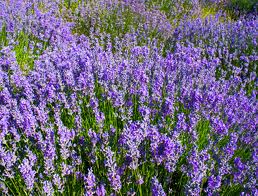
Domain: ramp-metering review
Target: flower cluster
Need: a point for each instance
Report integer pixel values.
(90, 120)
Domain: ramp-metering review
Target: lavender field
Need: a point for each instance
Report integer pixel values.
(128, 97)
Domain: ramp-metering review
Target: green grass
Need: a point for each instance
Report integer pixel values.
(236, 8)
(3, 37)
(115, 24)
(22, 46)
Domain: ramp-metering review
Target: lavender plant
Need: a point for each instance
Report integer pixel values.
(99, 113)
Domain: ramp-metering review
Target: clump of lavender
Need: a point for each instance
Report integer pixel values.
(104, 114)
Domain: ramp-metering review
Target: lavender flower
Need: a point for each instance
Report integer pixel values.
(27, 172)
(90, 183)
(48, 188)
(156, 188)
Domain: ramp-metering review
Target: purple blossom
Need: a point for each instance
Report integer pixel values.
(48, 188)
(90, 183)
(100, 191)
(27, 172)
(156, 188)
